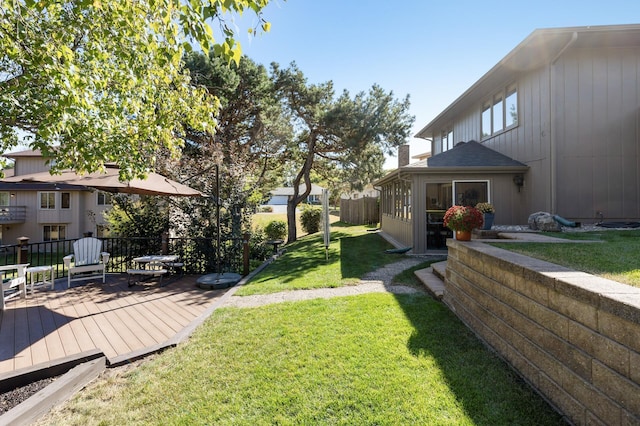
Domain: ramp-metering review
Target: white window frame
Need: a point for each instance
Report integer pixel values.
(498, 124)
(58, 228)
(454, 197)
(62, 194)
(49, 206)
(107, 198)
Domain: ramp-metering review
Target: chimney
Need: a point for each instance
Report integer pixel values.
(403, 155)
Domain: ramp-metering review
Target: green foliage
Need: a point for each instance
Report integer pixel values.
(146, 217)
(310, 218)
(276, 230)
(344, 136)
(97, 82)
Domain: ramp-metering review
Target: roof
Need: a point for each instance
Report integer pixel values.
(315, 190)
(540, 48)
(26, 153)
(465, 157)
(470, 154)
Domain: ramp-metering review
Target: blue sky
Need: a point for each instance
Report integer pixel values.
(431, 50)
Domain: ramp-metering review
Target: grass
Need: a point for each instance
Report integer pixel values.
(352, 252)
(615, 256)
(360, 360)
(371, 359)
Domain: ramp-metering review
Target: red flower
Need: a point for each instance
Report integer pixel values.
(463, 218)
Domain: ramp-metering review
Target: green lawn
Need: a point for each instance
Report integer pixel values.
(374, 359)
(614, 254)
(371, 359)
(352, 252)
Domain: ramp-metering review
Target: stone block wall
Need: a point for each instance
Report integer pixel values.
(572, 336)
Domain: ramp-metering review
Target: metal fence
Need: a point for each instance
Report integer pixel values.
(199, 255)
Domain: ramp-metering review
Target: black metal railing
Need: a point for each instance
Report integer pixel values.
(199, 255)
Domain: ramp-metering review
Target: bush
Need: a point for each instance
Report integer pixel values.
(266, 209)
(310, 219)
(258, 250)
(276, 230)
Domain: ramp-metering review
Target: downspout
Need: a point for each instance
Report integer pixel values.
(552, 135)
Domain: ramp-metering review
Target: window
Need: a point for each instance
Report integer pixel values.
(54, 232)
(511, 107)
(104, 199)
(486, 120)
(470, 193)
(447, 140)
(4, 198)
(498, 116)
(65, 200)
(102, 231)
(47, 200)
(500, 113)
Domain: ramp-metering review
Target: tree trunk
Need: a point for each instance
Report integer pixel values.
(297, 198)
(292, 229)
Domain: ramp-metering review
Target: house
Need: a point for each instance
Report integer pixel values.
(47, 211)
(279, 196)
(552, 127)
(369, 191)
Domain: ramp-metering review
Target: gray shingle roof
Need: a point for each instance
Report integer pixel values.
(472, 154)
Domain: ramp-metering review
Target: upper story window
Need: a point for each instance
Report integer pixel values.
(447, 140)
(65, 200)
(47, 200)
(500, 113)
(104, 198)
(4, 198)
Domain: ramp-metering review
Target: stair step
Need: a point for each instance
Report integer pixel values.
(434, 285)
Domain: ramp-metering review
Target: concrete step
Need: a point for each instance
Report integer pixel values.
(440, 269)
(434, 285)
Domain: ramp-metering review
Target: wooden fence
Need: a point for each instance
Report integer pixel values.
(361, 211)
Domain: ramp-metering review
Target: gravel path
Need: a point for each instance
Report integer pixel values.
(378, 281)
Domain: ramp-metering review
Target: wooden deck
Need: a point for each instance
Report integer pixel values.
(118, 320)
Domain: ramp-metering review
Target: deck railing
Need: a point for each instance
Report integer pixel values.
(199, 255)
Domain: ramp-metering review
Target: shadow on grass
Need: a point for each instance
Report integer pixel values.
(490, 391)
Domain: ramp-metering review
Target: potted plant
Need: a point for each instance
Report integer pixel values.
(462, 220)
(488, 213)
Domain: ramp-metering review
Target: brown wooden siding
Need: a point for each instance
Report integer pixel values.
(399, 230)
(596, 101)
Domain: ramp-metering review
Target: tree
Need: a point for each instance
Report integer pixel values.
(353, 132)
(92, 82)
(245, 147)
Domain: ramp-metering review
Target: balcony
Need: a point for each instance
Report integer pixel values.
(13, 214)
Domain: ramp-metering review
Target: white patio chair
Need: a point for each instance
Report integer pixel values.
(89, 261)
(16, 283)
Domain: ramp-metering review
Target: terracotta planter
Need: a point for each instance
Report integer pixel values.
(463, 235)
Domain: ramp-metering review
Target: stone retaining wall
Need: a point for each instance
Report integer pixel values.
(573, 336)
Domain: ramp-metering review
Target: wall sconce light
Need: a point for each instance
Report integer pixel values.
(13, 195)
(519, 181)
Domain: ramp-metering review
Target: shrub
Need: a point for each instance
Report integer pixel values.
(258, 250)
(310, 219)
(276, 230)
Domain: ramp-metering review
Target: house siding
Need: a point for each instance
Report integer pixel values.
(596, 102)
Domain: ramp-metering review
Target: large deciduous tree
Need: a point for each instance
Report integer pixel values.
(103, 81)
(353, 133)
